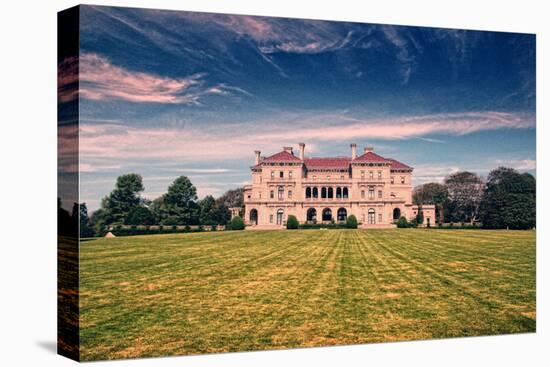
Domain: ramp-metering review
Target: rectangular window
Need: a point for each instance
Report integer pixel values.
(260, 195)
(290, 194)
(281, 174)
(392, 180)
(272, 174)
(362, 194)
(281, 193)
(371, 192)
(271, 194)
(270, 218)
(362, 174)
(328, 178)
(371, 174)
(379, 217)
(402, 179)
(380, 194)
(314, 177)
(342, 178)
(289, 174)
(379, 174)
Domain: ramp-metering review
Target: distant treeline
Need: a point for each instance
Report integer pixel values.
(179, 206)
(506, 199)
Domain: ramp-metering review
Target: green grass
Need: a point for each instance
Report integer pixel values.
(233, 291)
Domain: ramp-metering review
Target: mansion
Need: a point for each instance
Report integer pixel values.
(377, 190)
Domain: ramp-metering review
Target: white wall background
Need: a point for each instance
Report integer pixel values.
(28, 181)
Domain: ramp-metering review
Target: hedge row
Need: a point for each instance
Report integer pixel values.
(165, 230)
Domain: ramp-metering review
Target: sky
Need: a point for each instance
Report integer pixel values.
(171, 93)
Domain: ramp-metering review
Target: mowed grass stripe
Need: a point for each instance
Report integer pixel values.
(250, 290)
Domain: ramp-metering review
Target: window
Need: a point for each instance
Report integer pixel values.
(280, 216)
(371, 216)
(379, 217)
(379, 174)
(314, 177)
(308, 192)
(380, 194)
(338, 192)
(315, 192)
(402, 179)
(371, 192)
(392, 180)
(371, 174)
(342, 178)
(272, 174)
(345, 192)
(328, 178)
(362, 194)
(260, 195)
(281, 192)
(330, 193)
(281, 174)
(290, 194)
(289, 174)
(362, 174)
(270, 218)
(271, 194)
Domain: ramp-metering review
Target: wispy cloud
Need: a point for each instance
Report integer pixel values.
(237, 141)
(102, 80)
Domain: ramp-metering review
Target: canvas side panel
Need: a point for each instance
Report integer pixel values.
(67, 184)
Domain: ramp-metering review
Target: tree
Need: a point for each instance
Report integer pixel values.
(509, 201)
(419, 216)
(351, 222)
(178, 205)
(140, 215)
(292, 222)
(123, 198)
(432, 193)
(231, 199)
(236, 224)
(98, 222)
(465, 190)
(85, 228)
(208, 214)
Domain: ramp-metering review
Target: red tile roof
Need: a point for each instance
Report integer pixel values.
(370, 157)
(283, 156)
(395, 164)
(327, 163)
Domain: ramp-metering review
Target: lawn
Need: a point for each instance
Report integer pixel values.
(232, 291)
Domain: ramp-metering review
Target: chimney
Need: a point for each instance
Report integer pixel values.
(257, 160)
(369, 149)
(353, 150)
(288, 150)
(302, 149)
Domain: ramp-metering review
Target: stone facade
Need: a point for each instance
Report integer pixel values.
(375, 189)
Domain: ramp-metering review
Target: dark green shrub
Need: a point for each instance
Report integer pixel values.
(351, 222)
(402, 223)
(187, 229)
(236, 224)
(292, 222)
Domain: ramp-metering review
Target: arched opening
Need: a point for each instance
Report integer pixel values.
(330, 193)
(253, 217)
(323, 192)
(308, 192)
(315, 193)
(280, 213)
(338, 192)
(371, 216)
(311, 215)
(345, 192)
(327, 215)
(342, 215)
(396, 214)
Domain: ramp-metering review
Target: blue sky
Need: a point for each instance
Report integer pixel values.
(166, 93)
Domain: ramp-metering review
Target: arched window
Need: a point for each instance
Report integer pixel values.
(308, 192)
(323, 192)
(371, 217)
(281, 193)
(342, 214)
(338, 192)
(280, 213)
(253, 217)
(396, 214)
(345, 192)
(327, 215)
(311, 215)
(315, 193)
(330, 193)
